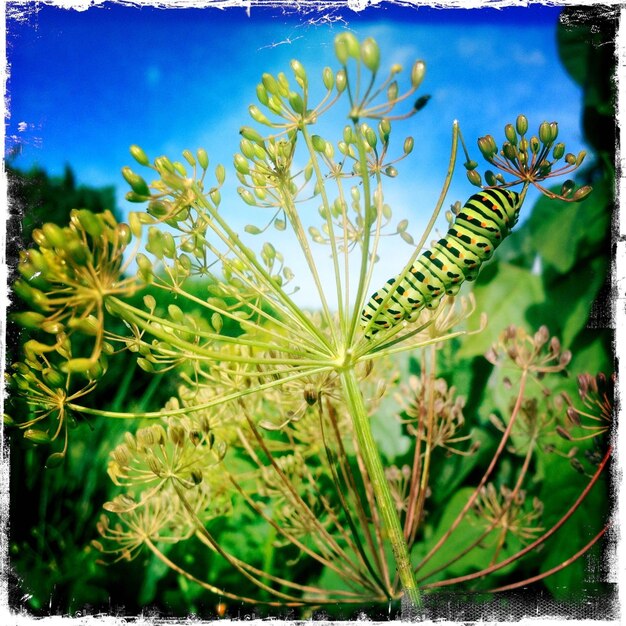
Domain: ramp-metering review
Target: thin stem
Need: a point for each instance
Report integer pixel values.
(483, 480)
(376, 474)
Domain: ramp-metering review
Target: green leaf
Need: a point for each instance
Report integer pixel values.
(504, 292)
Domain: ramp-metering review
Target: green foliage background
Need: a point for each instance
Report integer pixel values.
(54, 512)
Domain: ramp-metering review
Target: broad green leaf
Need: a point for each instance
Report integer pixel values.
(504, 292)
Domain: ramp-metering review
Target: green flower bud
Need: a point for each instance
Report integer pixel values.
(53, 378)
(534, 145)
(319, 143)
(123, 234)
(257, 116)
(270, 84)
(77, 366)
(203, 158)
(54, 235)
(55, 460)
(580, 158)
(554, 130)
(570, 159)
(391, 171)
(261, 94)
(370, 54)
(53, 328)
(188, 156)
(241, 164)
(220, 174)
(370, 135)
(251, 135)
(283, 85)
(417, 73)
(131, 196)
(88, 325)
(296, 103)
(384, 130)
(216, 196)
(559, 151)
(392, 91)
(29, 319)
(470, 165)
(136, 182)
(40, 239)
(89, 222)
(217, 322)
(509, 151)
(490, 178)
(582, 193)
(474, 177)
(545, 133)
(328, 78)
(409, 143)
(246, 196)
(298, 70)
(78, 252)
(37, 436)
(341, 80)
(139, 155)
(487, 147)
(567, 188)
(510, 134)
(521, 124)
(163, 165)
(346, 46)
(169, 246)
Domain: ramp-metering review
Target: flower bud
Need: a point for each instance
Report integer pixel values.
(487, 147)
(534, 145)
(580, 158)
(29, 319)
(510, 134)
(341, 80)
(37, 436)
(509, 151)
(319, 143)
(136, 182)
(490, 178)
(257, 116)
(582, 193)
(384, 130)
(328, 78)
(241, 164)
(246, 196)
(392, 91)
(545, 133)
(521, 124)
(203, 158)
(346, 46)
(298, 69)
(391, 171)
(77, 366)
(559, 151)
(54, 235)
(567, 188)
(417, 73)
(139, 155)
(220, 174)
(409, 142)
(474, 177)
(296, 103)
(370, 54)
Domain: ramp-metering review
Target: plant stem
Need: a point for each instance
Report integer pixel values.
(384, 500)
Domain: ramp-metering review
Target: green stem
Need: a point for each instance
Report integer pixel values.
(382, 493)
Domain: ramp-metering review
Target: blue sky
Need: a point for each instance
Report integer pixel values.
(85, 85)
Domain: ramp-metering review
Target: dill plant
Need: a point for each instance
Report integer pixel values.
(278, 413)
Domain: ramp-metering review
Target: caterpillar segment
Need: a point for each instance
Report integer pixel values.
(484, 221)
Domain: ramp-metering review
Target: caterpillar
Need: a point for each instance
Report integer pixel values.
(478, 229)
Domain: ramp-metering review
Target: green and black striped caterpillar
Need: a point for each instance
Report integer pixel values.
(478, 229)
